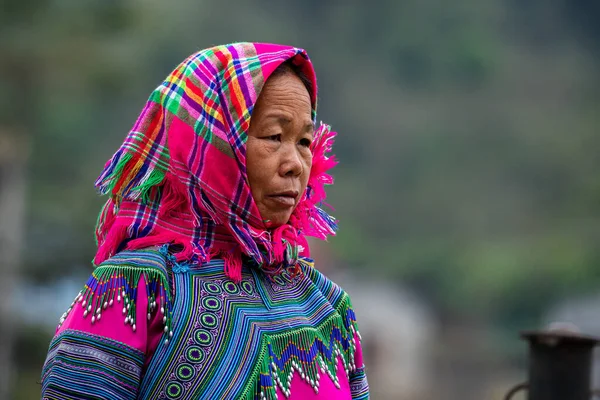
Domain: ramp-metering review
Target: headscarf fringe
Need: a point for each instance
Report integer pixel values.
(309, 217)
(105, 220)
(174, 196)
(284, 237)
(112, 171)
(116, 234)
(233, 264)
(110, 236)
(126, 178)
(144, 190)
(186, 251)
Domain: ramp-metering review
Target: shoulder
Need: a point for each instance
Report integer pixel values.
(138, 281)
(334, 293)
(146, 260)
(122, 275)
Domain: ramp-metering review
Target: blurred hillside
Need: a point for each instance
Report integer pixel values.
(468, 133)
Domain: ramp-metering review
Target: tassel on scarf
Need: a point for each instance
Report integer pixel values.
(156, 239)
(109, 246)
(310, 219)
(129, 174)
(106, 219)
(233, 264)
(174, 196)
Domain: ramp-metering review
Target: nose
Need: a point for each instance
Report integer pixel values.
(291, 163)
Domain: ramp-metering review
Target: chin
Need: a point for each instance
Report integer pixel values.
(275, 221)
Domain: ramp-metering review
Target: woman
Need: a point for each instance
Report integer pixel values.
(203, 287)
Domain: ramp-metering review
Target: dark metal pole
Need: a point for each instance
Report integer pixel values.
(560, 365)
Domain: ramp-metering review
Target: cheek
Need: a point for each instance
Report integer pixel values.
(258, 167)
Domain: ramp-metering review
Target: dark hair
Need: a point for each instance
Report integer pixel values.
(288, 67)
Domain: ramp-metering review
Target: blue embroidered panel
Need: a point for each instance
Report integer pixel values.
(84, 366)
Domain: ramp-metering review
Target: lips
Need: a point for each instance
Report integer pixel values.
(286, 198)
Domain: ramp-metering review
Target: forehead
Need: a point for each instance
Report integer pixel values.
(284, 91)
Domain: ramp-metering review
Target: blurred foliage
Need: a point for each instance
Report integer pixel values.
(29, 350)
(31, 345)
(468, 130)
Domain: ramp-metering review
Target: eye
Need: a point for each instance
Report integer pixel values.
(275, 138)
(305, 142)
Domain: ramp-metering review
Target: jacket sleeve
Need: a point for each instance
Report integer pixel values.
(108, 335)
(359, 386)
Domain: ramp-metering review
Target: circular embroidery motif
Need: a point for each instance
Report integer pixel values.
(195, 354)
(174, 390)
(211, 287)
(209, 320)
(286, 276)
(247, 287)
(211, 303)
(231, 287)
(203, 337)
(185, 372)
(278, 280)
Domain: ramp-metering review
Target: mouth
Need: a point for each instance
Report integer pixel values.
(286, 198)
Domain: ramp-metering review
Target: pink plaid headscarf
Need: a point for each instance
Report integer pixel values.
(180, 176)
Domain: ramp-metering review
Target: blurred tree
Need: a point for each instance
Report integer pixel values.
(585, 15)
(13, 154)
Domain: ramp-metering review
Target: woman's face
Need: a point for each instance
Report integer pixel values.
(278, 156)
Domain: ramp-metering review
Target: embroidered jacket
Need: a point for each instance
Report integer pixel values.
(146, 327)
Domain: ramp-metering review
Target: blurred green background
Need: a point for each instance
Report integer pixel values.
(468, 139)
